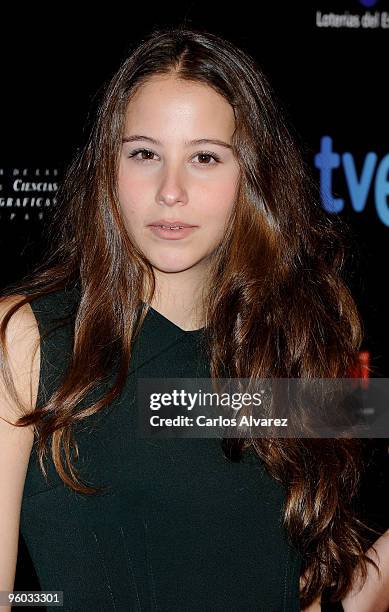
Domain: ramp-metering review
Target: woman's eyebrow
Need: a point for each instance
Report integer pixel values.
(187, 143)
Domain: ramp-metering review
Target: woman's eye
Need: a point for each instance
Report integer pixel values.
(146, 155)
(213, 156)
(135, 153)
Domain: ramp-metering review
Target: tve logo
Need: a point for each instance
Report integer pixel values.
(374, 176)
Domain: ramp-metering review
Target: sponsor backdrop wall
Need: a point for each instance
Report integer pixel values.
(328, 63)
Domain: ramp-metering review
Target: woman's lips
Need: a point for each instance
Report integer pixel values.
(171, 234)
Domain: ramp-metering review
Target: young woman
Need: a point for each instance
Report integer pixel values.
(188, 133)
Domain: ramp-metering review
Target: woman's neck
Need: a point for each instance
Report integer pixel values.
(179, 300)
(183, 317)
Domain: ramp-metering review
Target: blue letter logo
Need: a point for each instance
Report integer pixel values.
(358, 183)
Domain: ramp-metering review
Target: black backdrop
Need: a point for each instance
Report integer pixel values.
(329, 75)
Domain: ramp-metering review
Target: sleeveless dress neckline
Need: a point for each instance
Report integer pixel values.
(163, 319)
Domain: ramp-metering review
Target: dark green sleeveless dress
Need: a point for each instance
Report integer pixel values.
(181, 527)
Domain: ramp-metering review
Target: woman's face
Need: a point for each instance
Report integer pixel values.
(162, 176)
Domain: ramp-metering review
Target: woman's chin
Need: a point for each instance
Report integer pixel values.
(173, 265)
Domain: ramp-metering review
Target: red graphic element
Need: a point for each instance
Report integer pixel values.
(362, 370)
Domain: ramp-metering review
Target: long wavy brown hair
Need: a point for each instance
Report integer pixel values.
(277, 304)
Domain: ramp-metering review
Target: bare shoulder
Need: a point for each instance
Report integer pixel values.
(21, 350)
(22, 345)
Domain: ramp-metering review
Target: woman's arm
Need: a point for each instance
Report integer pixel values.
(374, 595)
(15, 442)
